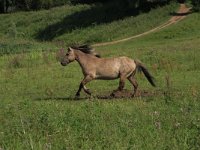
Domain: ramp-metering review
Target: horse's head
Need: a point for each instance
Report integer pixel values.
(69, 57)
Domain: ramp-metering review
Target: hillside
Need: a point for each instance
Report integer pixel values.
(74, 24)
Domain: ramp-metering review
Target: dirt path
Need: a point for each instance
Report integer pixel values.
(181, 14)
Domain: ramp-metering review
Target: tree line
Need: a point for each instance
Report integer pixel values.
(26, 5)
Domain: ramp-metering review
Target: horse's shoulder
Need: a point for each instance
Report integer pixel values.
(124, 58)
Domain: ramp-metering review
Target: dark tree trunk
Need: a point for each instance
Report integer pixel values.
(181, 1)
(7, 5)
(2, 4)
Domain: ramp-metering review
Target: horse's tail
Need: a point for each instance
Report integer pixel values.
(141, 67)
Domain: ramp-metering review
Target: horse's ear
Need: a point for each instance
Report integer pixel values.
(70, 49)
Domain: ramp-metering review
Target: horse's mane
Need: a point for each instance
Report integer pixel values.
(86, 49)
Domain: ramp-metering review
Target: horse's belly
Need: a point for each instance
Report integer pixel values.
(108, 70)
(109, 76)
(106, 78)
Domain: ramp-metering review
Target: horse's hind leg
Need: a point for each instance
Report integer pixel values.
(86, 90)
(82, 85)
(121, 85)
(134, 83)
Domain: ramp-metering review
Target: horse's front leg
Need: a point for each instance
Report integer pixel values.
(87, 79)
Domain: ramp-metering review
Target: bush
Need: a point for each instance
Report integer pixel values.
(196, 5)
(39, 4)
(6, 5)
(16, 61)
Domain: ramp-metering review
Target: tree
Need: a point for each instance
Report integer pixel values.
(5, 4)
(2, 5)
(196, 5)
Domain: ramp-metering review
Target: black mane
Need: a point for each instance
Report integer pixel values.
(86, 49)
(83, 48)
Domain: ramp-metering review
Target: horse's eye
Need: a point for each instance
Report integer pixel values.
(67, 54)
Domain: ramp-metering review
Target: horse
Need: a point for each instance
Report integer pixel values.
(94, 67)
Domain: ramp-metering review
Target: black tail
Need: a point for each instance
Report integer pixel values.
(142, 68)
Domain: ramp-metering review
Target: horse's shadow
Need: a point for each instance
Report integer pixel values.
(125, 94)
(61, 98)
(95, 97)
(180, 14)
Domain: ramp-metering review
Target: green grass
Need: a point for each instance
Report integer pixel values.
(37, 109)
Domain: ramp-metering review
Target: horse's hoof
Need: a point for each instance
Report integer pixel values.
(88, 92)
(91, 97)
(132, 96)
(77, 96)
(112, 94)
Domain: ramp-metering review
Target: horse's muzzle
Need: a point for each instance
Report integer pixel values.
(63, 63)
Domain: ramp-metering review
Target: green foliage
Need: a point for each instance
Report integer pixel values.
(196, 5)
(12, 31)
(2, 6)
(39, 4)
(15, 62)
(9, 5)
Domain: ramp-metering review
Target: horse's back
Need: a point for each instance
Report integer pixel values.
(127, 61)
(119, 62)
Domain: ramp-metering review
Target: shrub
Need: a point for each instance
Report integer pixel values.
(39, 4)
(16, 61)
(12, 30)
(196, 5)
(59, 55)
(46, 4)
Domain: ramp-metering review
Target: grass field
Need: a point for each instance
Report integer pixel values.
(38, 110)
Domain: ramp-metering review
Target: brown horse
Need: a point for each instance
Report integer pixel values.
(94, 67)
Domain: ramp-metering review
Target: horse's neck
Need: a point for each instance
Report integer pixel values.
(82, 58)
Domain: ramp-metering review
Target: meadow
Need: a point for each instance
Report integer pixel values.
(38, 109)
